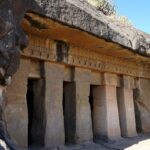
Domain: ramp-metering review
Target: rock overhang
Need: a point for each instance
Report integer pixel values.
(82, 16)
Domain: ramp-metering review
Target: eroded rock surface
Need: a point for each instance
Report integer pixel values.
(142, 105)
(12, 40)
(79, 14)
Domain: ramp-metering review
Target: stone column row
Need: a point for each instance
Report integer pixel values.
(113, 108)
(113, 111)
(79, 89)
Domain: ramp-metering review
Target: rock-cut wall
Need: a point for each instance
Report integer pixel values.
(142, 105)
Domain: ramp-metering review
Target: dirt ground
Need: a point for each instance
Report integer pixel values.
(141, 142)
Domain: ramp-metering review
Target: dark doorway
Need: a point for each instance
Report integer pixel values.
(91, 102)
(137, 111)
(69, 109)
(91, 98)
(36, 112)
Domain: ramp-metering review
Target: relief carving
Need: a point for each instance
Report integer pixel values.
(77, 56)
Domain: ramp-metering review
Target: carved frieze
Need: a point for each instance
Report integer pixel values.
(46, 49)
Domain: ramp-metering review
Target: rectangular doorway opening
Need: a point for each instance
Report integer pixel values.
(96, 102)
(36, 112)
(137, 111)
(69, 112)
(91, 102)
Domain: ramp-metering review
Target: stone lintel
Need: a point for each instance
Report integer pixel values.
(110, 79)
(53, 69)
(35, 69)
(127, 82)
(81, 75)
(96, 78)
(68, 74)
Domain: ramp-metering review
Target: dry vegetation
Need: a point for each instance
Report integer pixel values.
(108, 8)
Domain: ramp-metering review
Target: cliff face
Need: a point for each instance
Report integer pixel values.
(74, 13)
(12, 38)
(79, 14)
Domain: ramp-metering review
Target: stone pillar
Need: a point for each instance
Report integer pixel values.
(16, 113)
(126, 107)
(54, 132)
(105, 110)
(82, 80)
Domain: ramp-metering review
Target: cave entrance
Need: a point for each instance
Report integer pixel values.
(36, 113)
(69, 111)
(137, 111)
(91, 102)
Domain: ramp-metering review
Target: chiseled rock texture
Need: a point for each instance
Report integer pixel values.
(142, 105)
(79, 14)
(12, 38)
(74, 13)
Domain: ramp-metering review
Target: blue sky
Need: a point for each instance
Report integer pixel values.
(138, 12)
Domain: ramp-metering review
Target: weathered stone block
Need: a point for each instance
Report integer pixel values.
(105, 113)
(113, 127)
(83, 113)
(142, 105)
(110, 79)
(96, 78)
(128, 82)
(16, 113)
(82, 75)
(17, 122)
(54, 132)
(68, 74)
(126, 112)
